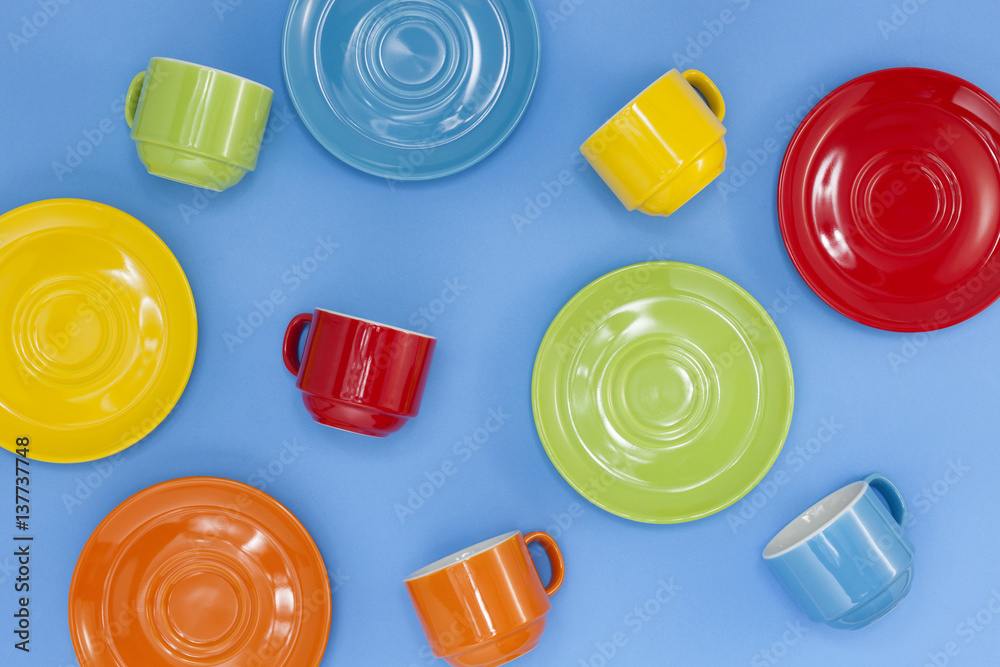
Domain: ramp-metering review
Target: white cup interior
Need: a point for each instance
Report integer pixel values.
(377, 324)
(814, 519)
(460, 556)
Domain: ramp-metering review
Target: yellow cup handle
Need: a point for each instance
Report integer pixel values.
(709, 91)
(132, 97)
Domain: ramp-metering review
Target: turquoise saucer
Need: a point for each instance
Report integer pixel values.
(411, 89)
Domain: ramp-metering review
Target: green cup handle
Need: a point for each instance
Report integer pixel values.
(708, 90)
(132, 97)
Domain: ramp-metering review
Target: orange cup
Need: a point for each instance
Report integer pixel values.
(486, 605)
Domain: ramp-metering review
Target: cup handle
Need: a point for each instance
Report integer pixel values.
(708, 90)
(893, 498)
(555, 558)
(132, 97)
(290, 348)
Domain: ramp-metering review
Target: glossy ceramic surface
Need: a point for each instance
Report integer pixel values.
(845, 560)
(200, 571)
(665, 146)
(195, 124)
(662, 392)
(889, 199)
(486, 605)
(357, 375)
(99, 325)
(411, 89)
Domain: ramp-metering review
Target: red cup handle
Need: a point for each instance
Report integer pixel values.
(555, 558)
(293, 334)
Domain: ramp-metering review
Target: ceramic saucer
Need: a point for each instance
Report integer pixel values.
(100, 330)
(889, 199)
(662, 392)
(411, 89)
(200, 571)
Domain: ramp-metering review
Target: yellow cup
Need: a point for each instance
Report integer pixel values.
(665, 146)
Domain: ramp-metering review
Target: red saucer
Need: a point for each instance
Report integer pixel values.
(889, 199)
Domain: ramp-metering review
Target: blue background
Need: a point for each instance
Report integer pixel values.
(913, 407)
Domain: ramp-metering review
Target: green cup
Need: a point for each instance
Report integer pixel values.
(195, 124)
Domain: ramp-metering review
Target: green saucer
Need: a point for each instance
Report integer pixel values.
(662, 392)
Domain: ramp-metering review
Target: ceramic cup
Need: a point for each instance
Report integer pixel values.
(357, 375)
(665, 146)
(195, 124)
(486, 605)
(845, 560)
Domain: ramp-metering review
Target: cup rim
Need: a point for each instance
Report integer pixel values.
(214, 69)
(855, 491)
(461, 556)
(374, 323)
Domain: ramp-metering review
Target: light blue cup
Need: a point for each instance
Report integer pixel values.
(845, 560)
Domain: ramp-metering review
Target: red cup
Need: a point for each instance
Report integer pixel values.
(357, 375)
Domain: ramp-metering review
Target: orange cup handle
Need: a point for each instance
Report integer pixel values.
(555, 558)
(708, 90)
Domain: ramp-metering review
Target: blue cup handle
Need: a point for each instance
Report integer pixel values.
(893, 498)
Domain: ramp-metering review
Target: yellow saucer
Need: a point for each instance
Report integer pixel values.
(98, 330)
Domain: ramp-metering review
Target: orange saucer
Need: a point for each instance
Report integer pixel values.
(200, 571)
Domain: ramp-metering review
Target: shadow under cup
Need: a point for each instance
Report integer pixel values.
(845, 560)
